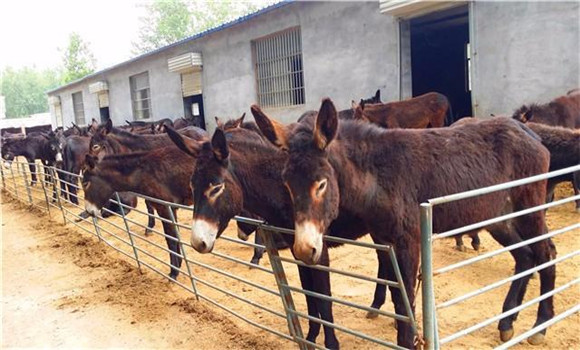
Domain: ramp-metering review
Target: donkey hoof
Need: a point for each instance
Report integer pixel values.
(460, 248)
(148, 232)
(506, 335)
(536, 339)
(476, 247)
(372, 314)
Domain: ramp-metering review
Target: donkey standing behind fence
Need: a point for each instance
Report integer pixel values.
(382, 176)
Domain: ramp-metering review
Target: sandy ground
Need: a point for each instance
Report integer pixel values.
(78, 285)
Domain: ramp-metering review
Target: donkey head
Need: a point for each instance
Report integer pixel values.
(308, 176)
(97, 190)
(98, 143)
(217, 195)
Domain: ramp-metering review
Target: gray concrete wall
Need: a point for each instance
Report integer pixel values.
(525, 52)
(349, 51)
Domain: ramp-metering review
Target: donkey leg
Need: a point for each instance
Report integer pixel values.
(150, 218)
(306, 281)
(529, 226)
(380, 289)
(321, 284)
(258, 252)
(523, 260)
(576, 186)
(459, 243)
(32, 168)
(172, 245)
(407, 254)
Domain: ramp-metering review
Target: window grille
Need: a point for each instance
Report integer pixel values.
(140, 96)
(78, 108)
(279, 69)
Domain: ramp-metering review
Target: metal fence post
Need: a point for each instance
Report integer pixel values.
(14, 180)
(2, 174)
(53, 173)
(285, 294)
(429, 318)
(42, 182)
(26, 182)
(97, 228)
(128, 231)
(172, 215)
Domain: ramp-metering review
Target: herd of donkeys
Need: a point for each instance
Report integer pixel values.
(363, 170)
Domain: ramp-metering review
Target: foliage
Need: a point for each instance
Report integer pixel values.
(78, 60)
(168, 21)
(25, 90)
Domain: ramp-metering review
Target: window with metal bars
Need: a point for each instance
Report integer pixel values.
(279, 69)
(78, 108)
(140, 96)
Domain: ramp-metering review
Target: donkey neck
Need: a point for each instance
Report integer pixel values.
(123, 142)
(257, 167)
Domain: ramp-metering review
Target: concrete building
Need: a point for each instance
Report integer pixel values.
(487, 57)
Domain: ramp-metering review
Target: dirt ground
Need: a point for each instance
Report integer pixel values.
(88, 295)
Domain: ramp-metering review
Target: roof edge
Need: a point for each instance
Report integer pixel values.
(199, 35)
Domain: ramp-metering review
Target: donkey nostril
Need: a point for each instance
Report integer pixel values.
(202, 245)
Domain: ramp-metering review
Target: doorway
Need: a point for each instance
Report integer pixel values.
(105, 116)
(193, 110)
(440, 59)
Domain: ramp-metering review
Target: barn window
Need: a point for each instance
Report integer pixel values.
(279, 69)
(78, 108)
(141, 96)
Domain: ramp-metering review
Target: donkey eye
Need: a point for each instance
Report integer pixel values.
(215, 190)
(321, 187)
(96, 147)
(86, 185)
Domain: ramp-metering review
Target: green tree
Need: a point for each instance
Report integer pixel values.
(78, 59)
(168, 21)
(25, 90)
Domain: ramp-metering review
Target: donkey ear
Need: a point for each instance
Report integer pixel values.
(218, 122)
(378, 96)
(326, 124)
(184, 143)
(527, 116)
(238, 122)
(219, 145)
(108, 127)
(274, 131)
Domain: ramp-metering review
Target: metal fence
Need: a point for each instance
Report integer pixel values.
(270, 297)
(433, 307)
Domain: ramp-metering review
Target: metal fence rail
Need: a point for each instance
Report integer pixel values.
(431, 307)
(269, 296)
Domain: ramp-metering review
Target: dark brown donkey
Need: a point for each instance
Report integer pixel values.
(109, 140)
(426, 111)
(381, 176)
(562, 111)
(245, 171)
(161, 173)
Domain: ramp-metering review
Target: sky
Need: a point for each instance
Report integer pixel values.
(32, 31)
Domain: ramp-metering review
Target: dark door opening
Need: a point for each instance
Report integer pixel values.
(193, 109)
(104, 111)
(439, 60)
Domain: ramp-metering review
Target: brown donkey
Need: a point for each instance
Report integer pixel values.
(240, 168)
(381, 176)
(426, 111)
(562, 111)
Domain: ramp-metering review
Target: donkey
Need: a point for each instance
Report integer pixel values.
(37, 146)
(109, 140)
(431, 110)
(563, 111)
(383, 175)
(240, 169)
(349, 113)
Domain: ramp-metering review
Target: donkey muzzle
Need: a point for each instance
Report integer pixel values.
(308, 242)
